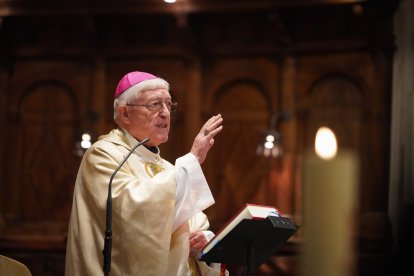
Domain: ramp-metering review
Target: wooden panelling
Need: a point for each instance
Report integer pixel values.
(325, 65)
(244, 92)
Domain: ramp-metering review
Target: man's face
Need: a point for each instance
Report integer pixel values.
(142, 122)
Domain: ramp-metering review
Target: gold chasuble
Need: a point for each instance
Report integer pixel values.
(143, 212)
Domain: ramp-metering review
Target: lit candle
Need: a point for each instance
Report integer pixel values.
(330, 181)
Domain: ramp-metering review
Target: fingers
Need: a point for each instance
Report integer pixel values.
(212, 126)
(213, 119)
(211, 142)
(197, 241)
(197, 246)
(204, 139)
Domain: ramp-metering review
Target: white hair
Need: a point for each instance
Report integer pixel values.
(133, 92)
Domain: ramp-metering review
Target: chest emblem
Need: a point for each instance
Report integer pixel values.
(152, 169)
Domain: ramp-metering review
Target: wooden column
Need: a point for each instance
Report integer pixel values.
(193, 102)
(97, 107)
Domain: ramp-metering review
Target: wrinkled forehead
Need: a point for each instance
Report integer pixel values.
(160, 94)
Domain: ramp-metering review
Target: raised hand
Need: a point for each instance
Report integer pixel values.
(205, 138)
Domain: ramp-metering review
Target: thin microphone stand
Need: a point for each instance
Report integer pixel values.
(108, 232)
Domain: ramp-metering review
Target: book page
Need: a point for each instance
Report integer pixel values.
(249, 211)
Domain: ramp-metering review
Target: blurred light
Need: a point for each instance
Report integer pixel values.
(169, 1)
(270, 138)
(270, 145)
(325, 143)
(85, 144)
(266, 153)
(86, 137)
(86, 141)
(270, 150)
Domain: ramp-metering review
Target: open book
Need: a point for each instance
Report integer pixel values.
(249, 211)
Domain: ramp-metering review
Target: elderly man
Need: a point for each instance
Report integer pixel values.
(157, 207)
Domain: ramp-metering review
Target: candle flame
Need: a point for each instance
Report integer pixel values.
(325, 143)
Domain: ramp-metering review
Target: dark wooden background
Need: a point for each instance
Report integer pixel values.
(325, 62)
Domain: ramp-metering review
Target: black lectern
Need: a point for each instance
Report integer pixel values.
(251, 242)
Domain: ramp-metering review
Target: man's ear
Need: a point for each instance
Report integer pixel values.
(123, 113)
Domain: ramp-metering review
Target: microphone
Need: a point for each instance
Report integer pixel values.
(108, 232)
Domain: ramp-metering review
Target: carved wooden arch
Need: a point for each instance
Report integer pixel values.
(43, 168)
(353, 79)
(238, 175)
(37, 87)
(336, 100)
(340, 102)
(224, 89)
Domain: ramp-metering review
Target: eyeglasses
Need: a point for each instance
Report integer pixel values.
(157, 106)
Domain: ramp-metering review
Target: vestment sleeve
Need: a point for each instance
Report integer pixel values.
(193, 193)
